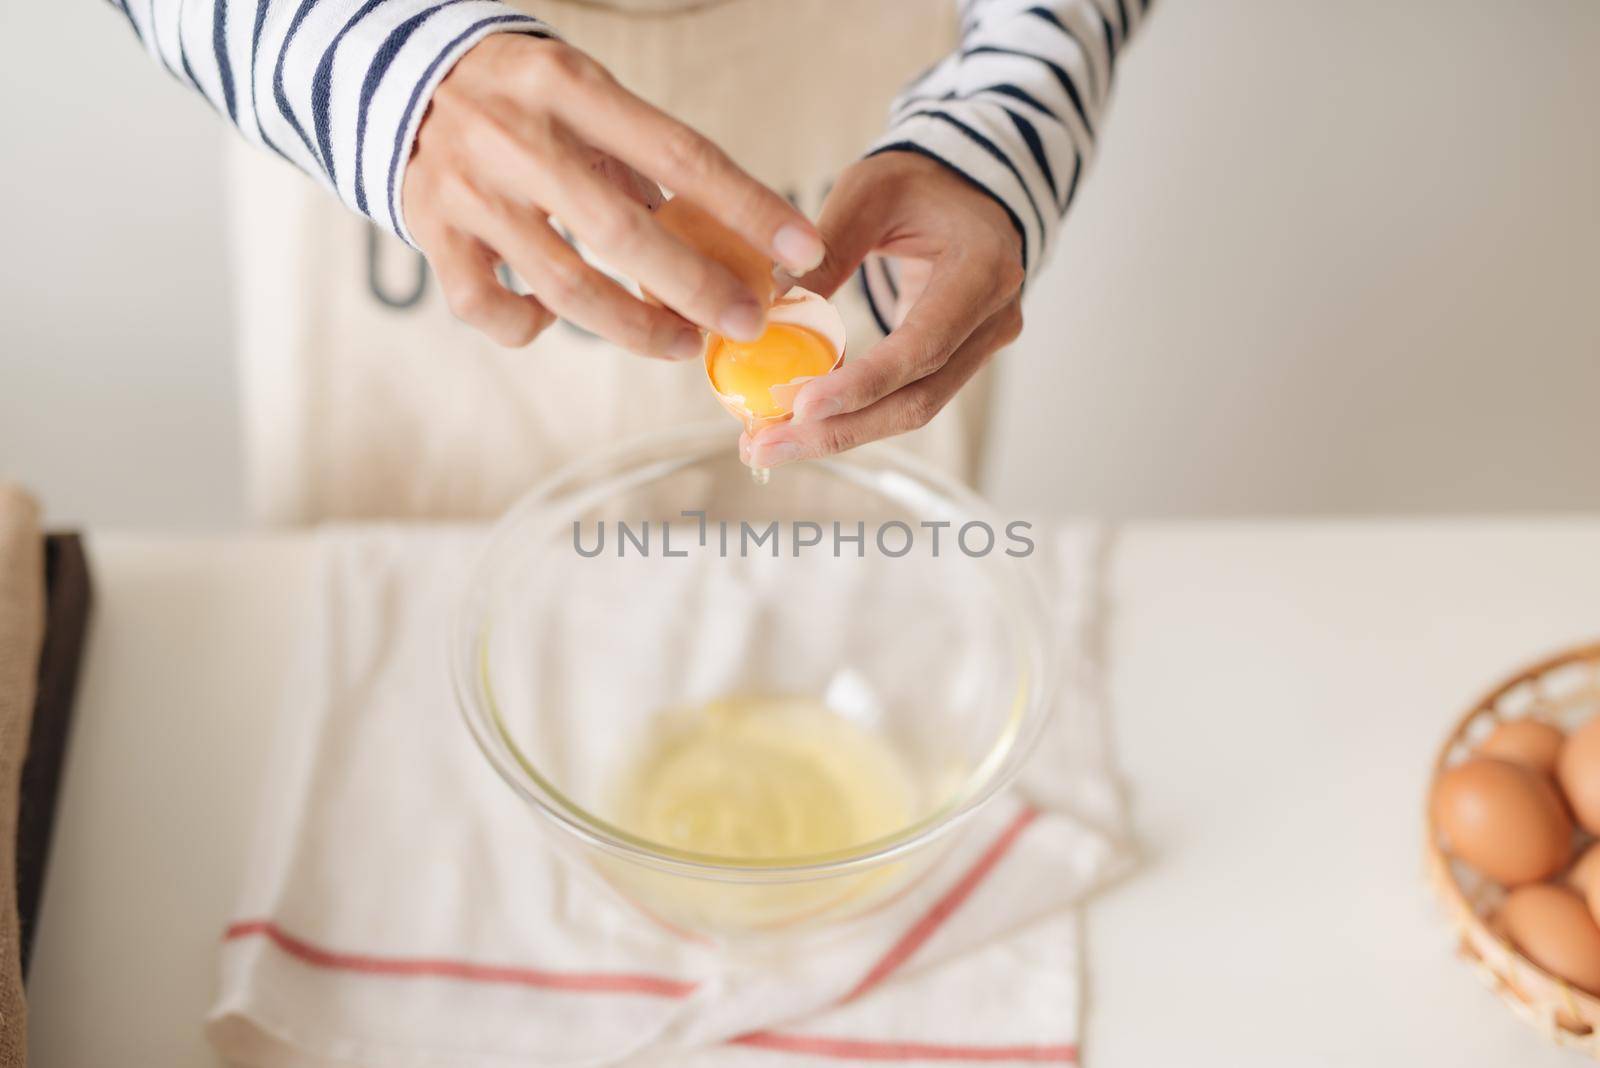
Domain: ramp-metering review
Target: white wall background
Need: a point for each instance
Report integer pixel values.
(1338, 257)
(116, 383)
(1335, 258)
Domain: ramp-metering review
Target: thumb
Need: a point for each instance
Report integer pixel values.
(850, 228)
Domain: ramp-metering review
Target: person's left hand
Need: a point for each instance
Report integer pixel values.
(955, 244)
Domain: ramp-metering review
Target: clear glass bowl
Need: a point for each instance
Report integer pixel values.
(927, 635)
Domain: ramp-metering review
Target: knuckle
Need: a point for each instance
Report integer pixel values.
(1009, 276)
(880, 383)
(832, 440)
(558, 67)
(524, 332)
(562, 284)
(1011, 323)
(619, 231)
(634, 325)
(662, 335)
(454, 100)
(919, 409)
(471, 302)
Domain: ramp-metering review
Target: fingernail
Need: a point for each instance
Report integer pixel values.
(744, 450)
(816, 411)
(685, 345)
(742, 321)
(798, 248)
(781, 452)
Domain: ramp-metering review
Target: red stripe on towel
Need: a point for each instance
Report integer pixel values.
(858, 1050)
(942, 909)
(592, 982)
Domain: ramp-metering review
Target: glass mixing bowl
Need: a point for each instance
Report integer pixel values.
(641, 589)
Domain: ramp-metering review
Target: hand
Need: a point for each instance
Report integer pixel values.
(960, 283)
(525, 128)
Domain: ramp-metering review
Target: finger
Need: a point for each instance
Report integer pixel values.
(905, 410)
(961, 294)
(852, 222)
(541, 165)
(466, 272)
(574, 290)
(625, 179)
(691, 165)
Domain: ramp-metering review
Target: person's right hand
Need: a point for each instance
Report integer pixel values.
(525, 128)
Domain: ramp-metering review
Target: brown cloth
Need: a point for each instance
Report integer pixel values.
(21, 634)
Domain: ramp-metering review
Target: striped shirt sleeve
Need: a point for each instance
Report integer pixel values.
(336, 87)
(1016, 109)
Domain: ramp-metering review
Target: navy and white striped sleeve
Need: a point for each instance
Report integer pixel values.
(336, 87)
(1016, 109)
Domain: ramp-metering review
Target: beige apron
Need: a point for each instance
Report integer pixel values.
(363, 397)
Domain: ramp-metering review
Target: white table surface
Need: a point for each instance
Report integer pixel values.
(1278, 690)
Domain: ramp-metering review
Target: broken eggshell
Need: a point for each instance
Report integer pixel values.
(786, 303)
(705, 233)
(798, 307)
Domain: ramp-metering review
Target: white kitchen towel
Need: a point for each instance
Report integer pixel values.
(404, 908)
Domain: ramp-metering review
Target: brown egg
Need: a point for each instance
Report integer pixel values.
(1504, 820)
(705, 233)
(1529, 742)
(1584, 875)
(1552, 927)
(1578, 772)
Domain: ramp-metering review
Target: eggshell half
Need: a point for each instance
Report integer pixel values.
(798, 307)
(704, 232)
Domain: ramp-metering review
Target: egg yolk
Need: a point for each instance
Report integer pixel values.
(750, 369)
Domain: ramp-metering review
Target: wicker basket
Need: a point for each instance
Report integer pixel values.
(1564, 690)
